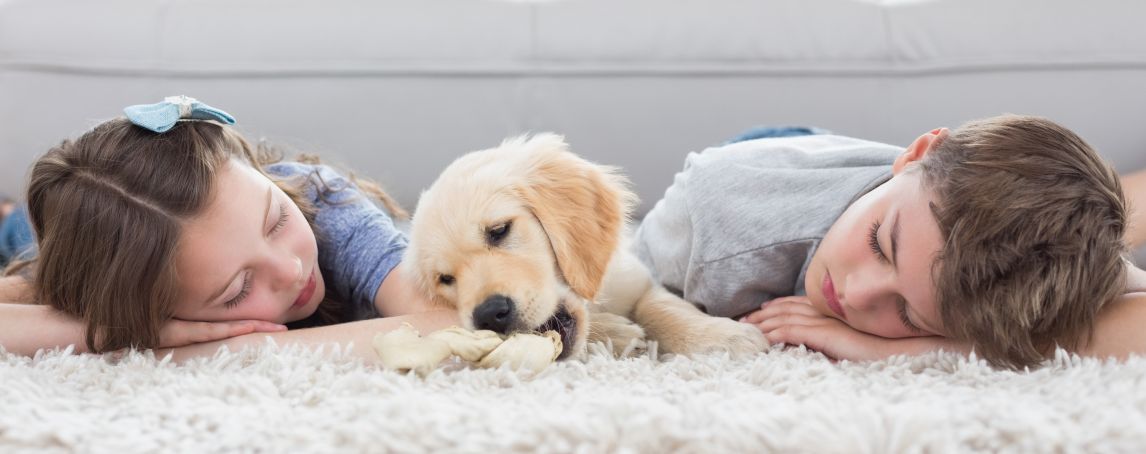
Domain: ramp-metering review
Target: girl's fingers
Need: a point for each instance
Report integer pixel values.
(178, 333)
(224, 330)
(263, 326)
(213, 331)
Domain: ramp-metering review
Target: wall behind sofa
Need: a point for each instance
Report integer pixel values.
(396, 89)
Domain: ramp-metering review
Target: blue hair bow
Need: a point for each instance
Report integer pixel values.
(160, 117)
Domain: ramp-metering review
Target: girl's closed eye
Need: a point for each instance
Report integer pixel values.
(282, 218)
(246, 290)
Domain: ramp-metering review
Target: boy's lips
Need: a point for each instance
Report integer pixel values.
(830, 296)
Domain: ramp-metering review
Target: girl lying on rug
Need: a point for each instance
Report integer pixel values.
(168, 229)
(1005, 236)
(134, 250)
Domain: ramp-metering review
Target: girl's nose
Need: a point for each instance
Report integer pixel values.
(288, 271)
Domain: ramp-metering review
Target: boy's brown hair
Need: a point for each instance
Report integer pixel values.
(1033, 221)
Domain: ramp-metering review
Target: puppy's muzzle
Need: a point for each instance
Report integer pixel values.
(497, 313)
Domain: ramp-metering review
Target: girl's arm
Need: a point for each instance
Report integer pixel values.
(398, 296)
(26, 328)
(15, 290)
(360, 333)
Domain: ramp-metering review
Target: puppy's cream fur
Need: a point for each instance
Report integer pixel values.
(566, 222)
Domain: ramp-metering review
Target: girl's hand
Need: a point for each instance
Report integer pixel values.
(179, 333)
(792, 320)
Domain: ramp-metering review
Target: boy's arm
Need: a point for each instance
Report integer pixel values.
(1119, 332)
(1134, 187)
(361, 333)
(840, 341)
(792, 321)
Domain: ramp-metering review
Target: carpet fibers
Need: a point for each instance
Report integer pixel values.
(279, 399)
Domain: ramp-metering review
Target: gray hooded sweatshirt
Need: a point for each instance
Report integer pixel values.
(741, 222)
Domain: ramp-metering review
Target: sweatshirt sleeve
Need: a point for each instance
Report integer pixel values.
(663, 241)
(741, 222)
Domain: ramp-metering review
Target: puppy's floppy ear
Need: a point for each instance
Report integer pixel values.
(582, 206)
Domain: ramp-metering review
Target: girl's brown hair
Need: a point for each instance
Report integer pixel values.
(108, 209)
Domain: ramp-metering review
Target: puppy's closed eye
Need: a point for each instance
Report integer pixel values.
(445, 279)
(496, 234)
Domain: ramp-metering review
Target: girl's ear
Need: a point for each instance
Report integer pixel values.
(919, 148)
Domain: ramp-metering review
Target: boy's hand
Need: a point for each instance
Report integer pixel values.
(792, 320)
(179, 333)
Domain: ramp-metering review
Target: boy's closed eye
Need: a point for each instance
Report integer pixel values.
(902, 306)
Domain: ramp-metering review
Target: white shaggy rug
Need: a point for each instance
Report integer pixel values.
(291, 399)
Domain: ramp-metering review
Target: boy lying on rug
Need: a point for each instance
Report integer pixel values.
(1005, 236)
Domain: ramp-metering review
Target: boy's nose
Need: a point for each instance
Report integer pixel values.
(862, 294)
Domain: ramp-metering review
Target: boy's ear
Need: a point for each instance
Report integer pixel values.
(919, 148)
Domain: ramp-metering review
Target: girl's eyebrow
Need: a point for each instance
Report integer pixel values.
(266, 216)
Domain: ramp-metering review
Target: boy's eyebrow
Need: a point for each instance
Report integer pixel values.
(895, 241)
(266, 214)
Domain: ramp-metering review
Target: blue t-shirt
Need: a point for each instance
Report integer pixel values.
(358, 243)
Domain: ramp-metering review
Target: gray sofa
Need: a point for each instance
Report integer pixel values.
(398, 88)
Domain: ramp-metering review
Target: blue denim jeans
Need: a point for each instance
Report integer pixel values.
(762, 132)
(16, 236)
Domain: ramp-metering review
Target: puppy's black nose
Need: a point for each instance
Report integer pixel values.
(495, 314)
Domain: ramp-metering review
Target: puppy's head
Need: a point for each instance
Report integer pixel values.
(518, 237)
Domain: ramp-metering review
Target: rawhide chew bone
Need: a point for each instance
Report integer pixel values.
(405, 349)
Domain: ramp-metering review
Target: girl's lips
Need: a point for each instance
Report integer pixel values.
(307, 292)
(833, 301)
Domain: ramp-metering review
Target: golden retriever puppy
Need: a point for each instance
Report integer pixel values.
(529, 237)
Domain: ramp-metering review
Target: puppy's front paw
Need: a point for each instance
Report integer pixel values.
(718, 334)
(609, 328)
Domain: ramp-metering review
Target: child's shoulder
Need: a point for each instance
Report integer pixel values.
(813, 151)
(291, 169)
